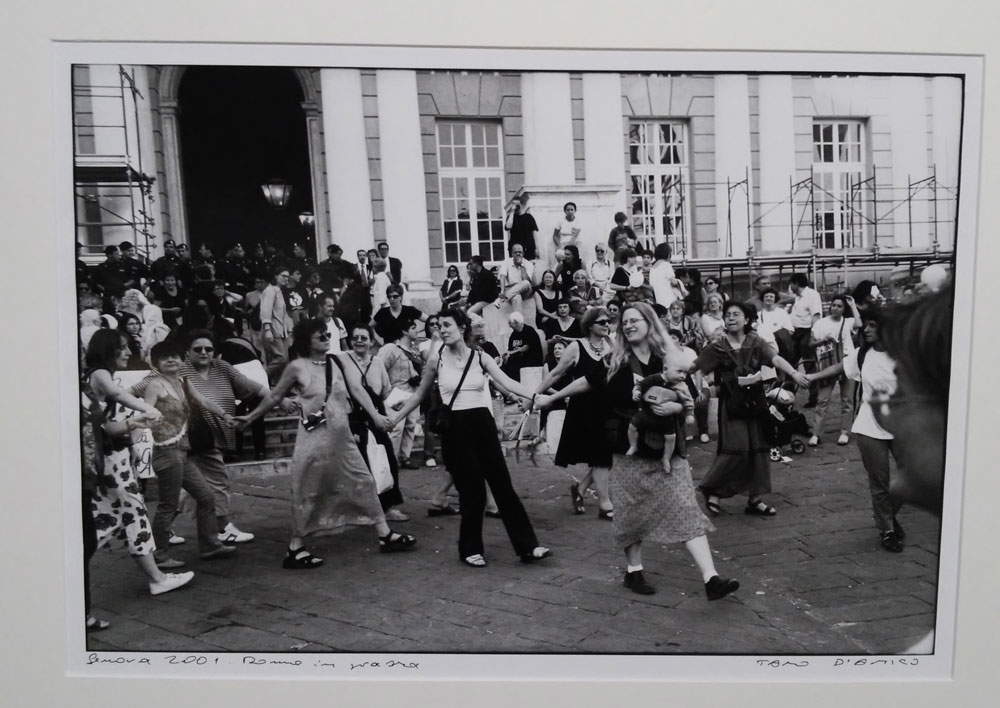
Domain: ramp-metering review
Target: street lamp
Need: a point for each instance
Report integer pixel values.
(277, 192)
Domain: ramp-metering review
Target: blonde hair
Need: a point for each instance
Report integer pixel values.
(715, 296)
(659, 341)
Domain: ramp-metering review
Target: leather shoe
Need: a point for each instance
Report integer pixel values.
(636, 582)
(717, 588)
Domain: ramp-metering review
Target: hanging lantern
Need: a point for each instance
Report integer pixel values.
(277, 192)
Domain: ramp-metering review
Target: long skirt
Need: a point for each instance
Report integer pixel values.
(653, 505)
(741, 462)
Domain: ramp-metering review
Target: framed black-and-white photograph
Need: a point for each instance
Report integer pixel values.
(407, 361)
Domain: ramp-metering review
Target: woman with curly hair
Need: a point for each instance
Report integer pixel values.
(116, 504)
(332, 486)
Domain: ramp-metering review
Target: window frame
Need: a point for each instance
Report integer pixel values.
(475, 178)
(659, 174)
(838, 228)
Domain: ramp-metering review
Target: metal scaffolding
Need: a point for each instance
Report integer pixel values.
(112, 190)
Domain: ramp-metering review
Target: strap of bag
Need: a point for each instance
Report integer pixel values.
(465, 371)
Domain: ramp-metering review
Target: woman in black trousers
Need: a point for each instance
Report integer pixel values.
(471, 446)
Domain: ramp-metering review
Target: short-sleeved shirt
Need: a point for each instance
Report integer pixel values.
(807, 304)
(335, 327)
(566, 229)
(878, 373)
(387, 325)
(769, 322)
(526, 337)
(516, 274)
(838, 331)
(398, 365)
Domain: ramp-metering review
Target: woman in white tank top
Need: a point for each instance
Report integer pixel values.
(470, 445)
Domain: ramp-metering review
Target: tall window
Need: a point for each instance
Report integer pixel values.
(659, 168)
(470, 169)
(838, 168)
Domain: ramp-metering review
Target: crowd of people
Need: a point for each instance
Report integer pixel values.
(633, 349)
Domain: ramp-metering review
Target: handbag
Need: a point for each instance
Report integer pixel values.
(442, 424)
(830, 353)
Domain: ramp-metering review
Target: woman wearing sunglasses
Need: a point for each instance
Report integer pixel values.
(583, 439)
(332, 488)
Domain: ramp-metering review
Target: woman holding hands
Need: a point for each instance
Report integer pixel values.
(469, 439)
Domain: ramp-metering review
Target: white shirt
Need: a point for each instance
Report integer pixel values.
(828, 329)
(807, 304)
(379, 283)
(877, 374)
(600, 273)
(510, 273)
(660, 276)
(475, 391)
(770, 322)
(337, 332)
(566, 229)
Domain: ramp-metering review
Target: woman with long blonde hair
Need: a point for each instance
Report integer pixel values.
(651, 502)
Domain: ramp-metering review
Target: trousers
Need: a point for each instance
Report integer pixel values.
(875, 457)
(176, 470)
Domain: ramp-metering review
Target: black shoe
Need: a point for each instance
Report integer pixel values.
(635, 582)
(892, 542)
(717, 588)
(898, 528)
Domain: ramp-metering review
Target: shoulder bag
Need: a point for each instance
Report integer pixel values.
(442, 424)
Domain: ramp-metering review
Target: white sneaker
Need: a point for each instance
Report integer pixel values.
(171, 581)
(843, 439)
(396, 515)
(233, 535)
(813, 441)
(176, 540)
(431, 462)
(704, 437)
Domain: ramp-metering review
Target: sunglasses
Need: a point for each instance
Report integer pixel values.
(603, 322)
(323, 336)
(203, 350)
(433, 324)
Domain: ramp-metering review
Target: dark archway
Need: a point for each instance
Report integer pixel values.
(240, 126)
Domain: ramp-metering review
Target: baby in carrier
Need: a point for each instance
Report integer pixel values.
(658, 389)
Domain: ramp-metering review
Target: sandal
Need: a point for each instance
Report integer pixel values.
(97, 625)
(537, 554)
(574, 493)
(759, 508)
(712, 507)
(300, 559)
(475, 561)
(446, 510)
(392, 542)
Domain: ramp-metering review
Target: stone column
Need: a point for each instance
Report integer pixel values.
(732, 160)
(603, 129)
(548, 129)
(172, 171)
(403, 188)
(346, 169)
(317, 174)
(777, 159)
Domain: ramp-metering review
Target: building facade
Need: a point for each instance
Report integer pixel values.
(724, 167)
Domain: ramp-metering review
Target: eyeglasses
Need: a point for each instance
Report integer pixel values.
(433, 324)
(394, 297)
(634, 321)
(203, 350)
(603, 323)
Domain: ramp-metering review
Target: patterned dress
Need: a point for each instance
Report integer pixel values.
(332, 488)
(118, 507)
(651, 504)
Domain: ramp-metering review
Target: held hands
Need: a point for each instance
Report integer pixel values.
(241, 421)
(228, 420)
(386, 422)
(803, 380)
(542, 402)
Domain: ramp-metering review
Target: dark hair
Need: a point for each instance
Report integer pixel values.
(108, 250)
(461, 319)
(126, 246)
(572, 204)
(660, 310)
(674, 332)
(302, 333)
(576, 263)
(103, 349)
(541, 280)
(380, 244)
(623, 254)
(798, 279)
(662, 252)
(402, 326)
(394, 288)
(196, 334)
(917, 335)
(620, 217)
(588, 318)
(695, 275)
(365, 327)
(862, 291)
(277, 268)
(124, 318)
(429, 321)
(478, 260)
(761, 277)
(161, 350)
(769, 291)
(680, 272)
(749, 311)
(334, 248)
(564, 301)
(839, 296)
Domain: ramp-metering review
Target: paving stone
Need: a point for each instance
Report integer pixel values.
(248, 639)
(883, 608)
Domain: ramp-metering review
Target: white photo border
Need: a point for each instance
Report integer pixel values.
(530, 667)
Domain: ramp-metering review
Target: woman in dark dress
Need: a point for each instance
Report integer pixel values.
(583, 440)
(564, 324)
(546, 300)
(741, 463)
(651, 503)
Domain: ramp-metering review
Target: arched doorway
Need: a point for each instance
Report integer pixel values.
(237, 127)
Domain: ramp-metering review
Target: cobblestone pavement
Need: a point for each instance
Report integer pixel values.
(814, 579)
